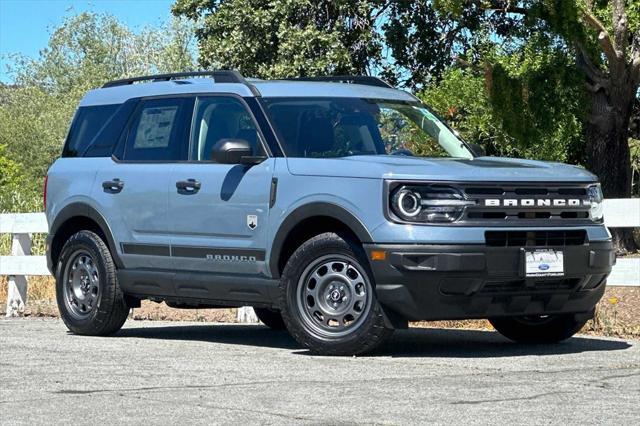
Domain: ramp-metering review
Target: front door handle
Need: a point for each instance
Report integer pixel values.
(112, 186)
(187, 187)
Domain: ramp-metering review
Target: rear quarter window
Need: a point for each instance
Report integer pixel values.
(86, 124)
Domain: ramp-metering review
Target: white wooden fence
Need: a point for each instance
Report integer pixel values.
(21, 263)
(619, 213)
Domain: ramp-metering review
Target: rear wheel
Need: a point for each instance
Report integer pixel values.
(89, 298)
(271, 318)
(539, 328)
(328, 299)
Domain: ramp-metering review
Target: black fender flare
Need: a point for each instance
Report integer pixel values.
(79, 209)
(307, 211)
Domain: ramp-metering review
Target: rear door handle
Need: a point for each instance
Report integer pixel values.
(187, 187)
(112, 186)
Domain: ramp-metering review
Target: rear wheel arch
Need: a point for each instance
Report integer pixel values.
(308, 221)
(77, 217)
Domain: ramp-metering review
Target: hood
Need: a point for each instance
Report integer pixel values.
(479, 169)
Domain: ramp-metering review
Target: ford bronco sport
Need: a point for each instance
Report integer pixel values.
(338, 207)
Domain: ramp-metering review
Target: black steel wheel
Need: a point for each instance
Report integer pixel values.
(89, 298)
(327, 298)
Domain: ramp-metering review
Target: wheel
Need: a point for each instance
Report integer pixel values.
(89, 298)
(539, 329)
(271, 318)
(327, 298)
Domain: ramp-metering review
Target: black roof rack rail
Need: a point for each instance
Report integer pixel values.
(367, 80)
(219, 76)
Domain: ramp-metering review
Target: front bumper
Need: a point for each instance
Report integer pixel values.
(437, 282)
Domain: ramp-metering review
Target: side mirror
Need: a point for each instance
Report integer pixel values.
(234, 151)
(478, 150)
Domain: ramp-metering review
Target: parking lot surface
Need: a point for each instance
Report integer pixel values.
(169, 373)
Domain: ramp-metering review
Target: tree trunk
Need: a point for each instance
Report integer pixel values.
(608, 155)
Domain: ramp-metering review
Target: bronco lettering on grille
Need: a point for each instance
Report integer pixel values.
(540, 202)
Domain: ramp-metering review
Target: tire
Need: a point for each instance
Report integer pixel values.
(539, 329)
(332, 311)
(271, 318)
(89, 298)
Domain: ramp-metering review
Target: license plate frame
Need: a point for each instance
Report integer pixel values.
(543, 263)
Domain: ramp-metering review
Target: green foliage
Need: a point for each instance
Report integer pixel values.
(537, 98)
(84, 52)
(12, 188)
(284, 38)
(420, 41)
(516, 107)
(9, 173)
(461, 99)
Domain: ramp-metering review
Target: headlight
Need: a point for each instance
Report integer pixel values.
(428, 203)
(594, 193)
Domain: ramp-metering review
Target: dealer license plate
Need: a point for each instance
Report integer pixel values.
(544, 263)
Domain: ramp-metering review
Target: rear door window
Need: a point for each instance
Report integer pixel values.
(160, 131)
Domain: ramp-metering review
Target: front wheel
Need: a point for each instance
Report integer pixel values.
(328, 300)
(539, 328)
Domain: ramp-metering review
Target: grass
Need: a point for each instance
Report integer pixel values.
(40, 288)
(613, 320)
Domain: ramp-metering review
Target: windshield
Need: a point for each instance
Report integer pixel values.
(339, 127)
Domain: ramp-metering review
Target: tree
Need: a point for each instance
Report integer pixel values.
(602, 39)
(285, 38)
(11, 185)
(531, 110)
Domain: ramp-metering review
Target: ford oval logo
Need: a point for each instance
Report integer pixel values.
(543, 266)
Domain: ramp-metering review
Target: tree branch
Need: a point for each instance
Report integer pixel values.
(382, 10)
(508, 9)
(604, 38)
(498, 6)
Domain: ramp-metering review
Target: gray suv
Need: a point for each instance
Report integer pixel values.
(339, 208)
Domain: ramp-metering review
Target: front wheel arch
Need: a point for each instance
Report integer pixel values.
(310, 220)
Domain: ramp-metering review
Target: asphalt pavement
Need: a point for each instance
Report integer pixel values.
(187, 373)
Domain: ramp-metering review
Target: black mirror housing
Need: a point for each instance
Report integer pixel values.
(234, 151)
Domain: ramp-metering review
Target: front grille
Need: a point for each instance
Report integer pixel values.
(535, 238)
(526, 204)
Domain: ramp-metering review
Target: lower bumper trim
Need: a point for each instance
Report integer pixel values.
(434, 282)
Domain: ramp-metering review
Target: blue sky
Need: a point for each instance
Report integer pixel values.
(25, 25)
